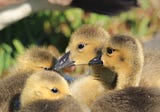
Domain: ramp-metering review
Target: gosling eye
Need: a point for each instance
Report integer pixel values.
(110, 50)
(54, 90)
(81, 46)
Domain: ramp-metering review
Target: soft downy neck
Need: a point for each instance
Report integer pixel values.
(105, 75)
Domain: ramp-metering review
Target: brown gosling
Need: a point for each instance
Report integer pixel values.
(115, 57)
(121, 56)
(84, 45)
(124, 55)
(47, 91)
(33, 60)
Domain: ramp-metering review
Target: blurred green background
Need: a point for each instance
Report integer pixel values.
(48, 27)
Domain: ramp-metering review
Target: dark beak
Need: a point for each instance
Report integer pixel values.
(97, 60)
(63, 62)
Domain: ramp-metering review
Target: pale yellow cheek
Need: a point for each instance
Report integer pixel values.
(48, 95)
(57, 96)
(105, 61)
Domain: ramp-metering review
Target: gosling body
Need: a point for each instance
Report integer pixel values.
(151, 70)
(132, 99)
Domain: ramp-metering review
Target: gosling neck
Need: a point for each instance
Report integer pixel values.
(105, 75)
(129, 77)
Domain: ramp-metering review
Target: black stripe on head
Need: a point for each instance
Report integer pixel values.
(123, 39)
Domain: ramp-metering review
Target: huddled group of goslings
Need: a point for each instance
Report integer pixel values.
(123, 77)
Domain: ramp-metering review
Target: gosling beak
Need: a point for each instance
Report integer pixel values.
(64, 61)
(96, 60)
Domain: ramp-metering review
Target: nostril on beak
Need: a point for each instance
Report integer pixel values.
(96, 60)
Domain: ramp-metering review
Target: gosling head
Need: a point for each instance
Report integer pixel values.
(36, 58)
(83, 46)
(123, 55)
(44, 85)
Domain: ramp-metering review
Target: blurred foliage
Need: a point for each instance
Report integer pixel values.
(7, 54)
(47, 27)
